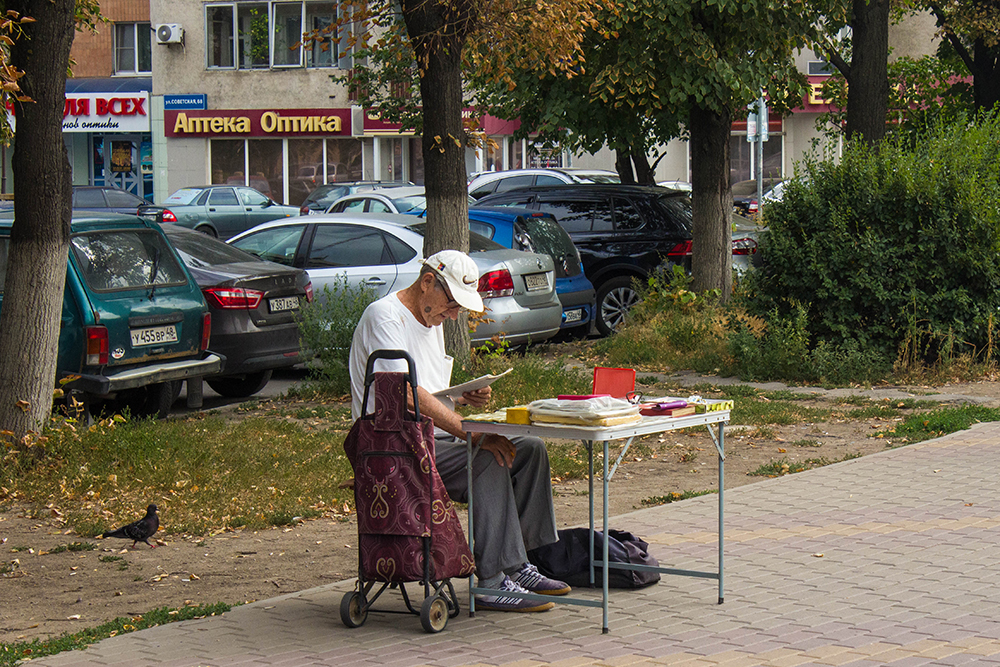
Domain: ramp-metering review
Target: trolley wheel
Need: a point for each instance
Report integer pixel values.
(352, 610)
(434, 613)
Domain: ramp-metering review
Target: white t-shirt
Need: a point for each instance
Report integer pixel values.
(389, 325)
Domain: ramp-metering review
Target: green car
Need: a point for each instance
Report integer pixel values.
(221, 211)
(134, 322)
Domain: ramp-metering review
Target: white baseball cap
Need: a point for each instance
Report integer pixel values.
(460, 274)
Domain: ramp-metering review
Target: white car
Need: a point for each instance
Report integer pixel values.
(489, 182)
(382, 252)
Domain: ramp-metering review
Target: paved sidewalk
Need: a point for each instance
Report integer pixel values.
(891, 559)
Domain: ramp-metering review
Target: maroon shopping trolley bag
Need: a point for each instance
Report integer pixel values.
(408, 529)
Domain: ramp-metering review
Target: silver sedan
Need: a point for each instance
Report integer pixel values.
(382, 252)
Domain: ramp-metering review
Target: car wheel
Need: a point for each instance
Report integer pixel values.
(153, 400)
(614, 299)
(239, 386)
(205, 229)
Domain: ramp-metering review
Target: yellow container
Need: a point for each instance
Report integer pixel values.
(518, 415)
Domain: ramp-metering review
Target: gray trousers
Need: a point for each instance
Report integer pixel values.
(512, 507)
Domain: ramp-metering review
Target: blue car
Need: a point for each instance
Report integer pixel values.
(534, 231)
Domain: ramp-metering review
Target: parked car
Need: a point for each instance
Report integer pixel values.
(621, 231)
(217, 210)
(106, 198)
(486, 183)
(253, 305)
(382, 252)
(134, 323)
(409, 200)
(534, 231)
(745, 195)
(320, 199)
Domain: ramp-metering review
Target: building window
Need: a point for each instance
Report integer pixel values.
(260, 35)
(133, 48)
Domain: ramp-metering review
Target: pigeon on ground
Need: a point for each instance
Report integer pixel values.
(139, 531)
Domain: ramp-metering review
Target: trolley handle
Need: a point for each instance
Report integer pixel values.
(410, 376)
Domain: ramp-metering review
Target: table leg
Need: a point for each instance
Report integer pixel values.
(604, 555)
(590, 497)
(722, 489)
(472, 539)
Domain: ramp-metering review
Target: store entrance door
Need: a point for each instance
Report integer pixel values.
(124, 161)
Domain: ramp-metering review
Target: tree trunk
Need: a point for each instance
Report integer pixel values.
(711, 202)
(623, 165)
(36, 271)
(986, 76)
(438, 31)
(644, 174)
(868, 83)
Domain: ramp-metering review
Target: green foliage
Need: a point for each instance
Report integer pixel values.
(922, 91)
(889, 244)
(16, 653)
(327, 326)
(671, 327)
(927, 425)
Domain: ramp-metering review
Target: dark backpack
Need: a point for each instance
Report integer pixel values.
(568, 559)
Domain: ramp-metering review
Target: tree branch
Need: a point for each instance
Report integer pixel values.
(956, 43)
(838, 61)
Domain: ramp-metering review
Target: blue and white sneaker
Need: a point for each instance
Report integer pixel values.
(501, 602)
(535, 582)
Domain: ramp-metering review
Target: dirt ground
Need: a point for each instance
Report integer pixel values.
(46, 591)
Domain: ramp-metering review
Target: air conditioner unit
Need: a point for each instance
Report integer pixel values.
(169, 33)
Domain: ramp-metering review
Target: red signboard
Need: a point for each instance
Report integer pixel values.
(257, 123)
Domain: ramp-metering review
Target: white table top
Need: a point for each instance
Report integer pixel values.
(597, 433)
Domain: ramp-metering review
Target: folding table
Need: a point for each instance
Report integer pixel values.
(714, 420)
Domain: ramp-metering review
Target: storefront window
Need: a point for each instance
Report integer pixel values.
(515, 154)
(229, 161)
(743, 157)
(417, 161)
(390, 159)
(259, 163)
(492, 155)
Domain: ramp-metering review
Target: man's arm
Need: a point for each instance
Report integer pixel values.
(448, 420)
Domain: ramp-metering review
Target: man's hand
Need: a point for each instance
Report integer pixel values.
(478, 398)
(503, 449)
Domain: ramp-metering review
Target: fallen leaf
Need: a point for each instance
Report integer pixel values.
(74, 617)
(817, 555)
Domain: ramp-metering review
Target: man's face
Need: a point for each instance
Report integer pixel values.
(437, 304)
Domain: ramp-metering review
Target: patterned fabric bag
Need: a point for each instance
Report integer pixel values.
(405, 517)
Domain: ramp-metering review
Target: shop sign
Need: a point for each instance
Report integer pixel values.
(191, 101)
(257, 123)
(106, 112)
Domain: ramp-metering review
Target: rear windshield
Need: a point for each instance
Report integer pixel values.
(406, 204)
(544, 235)
(126, 259)
(477, 243)
(678, 210)
(201, 251)
(183, 196)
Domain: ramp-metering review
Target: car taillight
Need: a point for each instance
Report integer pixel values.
(496, 283)
(97, 345)
(682, 249)
(753, 206)
(168, 216)
(304, 209)
(310, 295)
(206, 330)
(744, 246)
(232, 297)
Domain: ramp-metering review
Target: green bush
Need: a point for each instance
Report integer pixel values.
(327, 326)
(891, 244)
